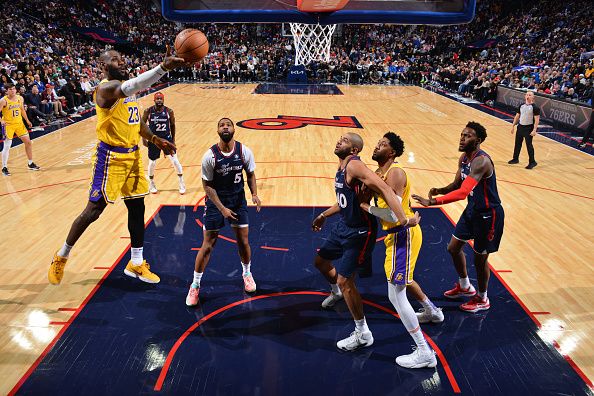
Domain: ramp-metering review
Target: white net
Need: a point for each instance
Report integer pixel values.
(312, 42)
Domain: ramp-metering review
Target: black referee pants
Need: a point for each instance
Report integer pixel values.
(522, 133)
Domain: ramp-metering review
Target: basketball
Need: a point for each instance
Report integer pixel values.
(191, 44)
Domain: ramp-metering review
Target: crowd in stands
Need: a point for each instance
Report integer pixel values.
(536, 45)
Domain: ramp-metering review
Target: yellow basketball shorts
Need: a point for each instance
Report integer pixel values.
(117, 171)
(15, 129)
(402, 251)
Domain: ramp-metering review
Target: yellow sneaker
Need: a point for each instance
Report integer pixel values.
(142, 272)
(56, 269)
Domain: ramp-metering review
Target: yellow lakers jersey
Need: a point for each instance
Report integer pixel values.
(11, 113)
(120, 124)
(381, 203)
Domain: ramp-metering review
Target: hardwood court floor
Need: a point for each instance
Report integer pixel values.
(546, 256)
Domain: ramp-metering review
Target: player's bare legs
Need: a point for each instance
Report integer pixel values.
(329, 272)
(351, 296)
(463, 286)
(91, 213)
(483, 272)
(202, 258)
(245, 254)
(209, 240)
(429, 312)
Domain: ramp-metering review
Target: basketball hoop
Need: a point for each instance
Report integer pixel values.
(312, 42)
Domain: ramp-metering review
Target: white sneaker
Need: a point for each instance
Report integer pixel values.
(355, 340)
(417, 359)
(427, 316)
(331, 300)
(182, 187)
(153, 188)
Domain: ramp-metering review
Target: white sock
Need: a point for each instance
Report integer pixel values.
(176, 164)
(420, 341)
(30, 162)
(65, 250)
(151, 168)
(137, 258)
(428, 305)
(361, 325)
(246, 268)
(335, 288)
(482, 295)
(5, 151)
(464, 282)
(197, 278)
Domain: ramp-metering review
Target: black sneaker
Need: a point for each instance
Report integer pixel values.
(531, 165)
(513, 161)
(34, 167)
(5, 171)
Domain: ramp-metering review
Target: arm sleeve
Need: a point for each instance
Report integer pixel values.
(383, 213)
(467, 185)
(248, 159)
(208, 163)
(143, 81)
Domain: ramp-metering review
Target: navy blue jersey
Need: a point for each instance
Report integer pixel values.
(228, 170)
(346, 196)
(484, 196)
(159, 122)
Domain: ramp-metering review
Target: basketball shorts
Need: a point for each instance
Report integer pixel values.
(154, 152)
(117, 172)
(484, 227)
(214, 220)
(15, 129)
(402, 251)
(349, 248)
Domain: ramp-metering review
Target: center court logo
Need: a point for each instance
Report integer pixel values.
(283, 122)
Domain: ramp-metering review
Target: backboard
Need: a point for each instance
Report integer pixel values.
(426, 12)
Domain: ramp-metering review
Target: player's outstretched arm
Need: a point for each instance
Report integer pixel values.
(163, 144)
(481, 166)
(113, 90)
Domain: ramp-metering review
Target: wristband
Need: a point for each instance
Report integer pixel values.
(164, 68)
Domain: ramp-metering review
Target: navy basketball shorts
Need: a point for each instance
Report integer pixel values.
(154, 152)
(484, 227)
(350, 248)
(214, 220)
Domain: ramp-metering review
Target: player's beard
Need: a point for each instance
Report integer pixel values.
(342, 154)
(116, 73)
(226, 138)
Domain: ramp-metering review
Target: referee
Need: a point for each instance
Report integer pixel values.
(527, 118)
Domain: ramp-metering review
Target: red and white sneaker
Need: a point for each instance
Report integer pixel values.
(192, 297)
(249, 284)
(457, 291)
(476, 304)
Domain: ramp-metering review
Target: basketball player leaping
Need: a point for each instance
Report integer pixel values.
(482, 220)
(117, 169)
(353, 237)
(161, 121)
(403, 245)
